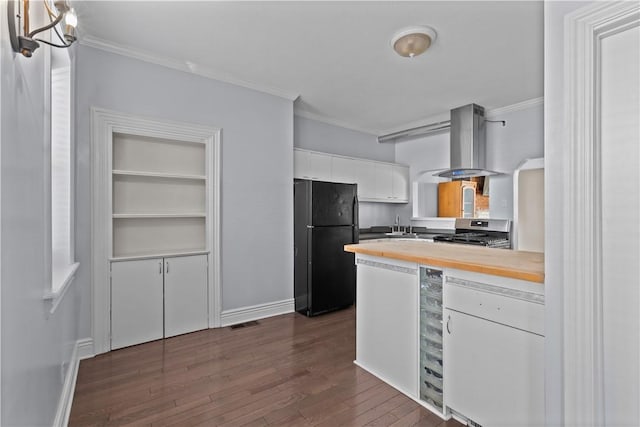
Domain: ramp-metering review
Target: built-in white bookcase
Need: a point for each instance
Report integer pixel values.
(155, 228)
(159, 196)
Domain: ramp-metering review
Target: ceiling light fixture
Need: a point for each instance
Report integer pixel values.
(413, 41)
(23, 39)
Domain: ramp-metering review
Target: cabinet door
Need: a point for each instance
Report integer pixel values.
(185, 294)
(301, 164)
(387, 342)
(400, 182)
(384, 181)
(449, 199)
(365, 175)
(468, 201)
(320, 166)
(136, 302)
(342, 170)
(493, 374)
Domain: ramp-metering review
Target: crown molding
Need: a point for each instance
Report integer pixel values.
(529, 103)
(186, 66)
(334, 122)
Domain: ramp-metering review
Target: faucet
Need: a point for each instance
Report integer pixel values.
(397, 223)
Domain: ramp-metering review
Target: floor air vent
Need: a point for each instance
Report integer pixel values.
(244, 325)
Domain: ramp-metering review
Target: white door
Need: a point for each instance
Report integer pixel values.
(136, 302)
(185, 294)
(493, 374)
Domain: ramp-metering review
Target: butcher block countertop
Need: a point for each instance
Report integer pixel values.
(498, 262)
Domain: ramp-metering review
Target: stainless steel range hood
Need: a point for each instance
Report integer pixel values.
(467, 143)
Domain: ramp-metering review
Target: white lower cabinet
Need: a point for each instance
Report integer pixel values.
(494, 355)
(156, 298)
(185, 294)
(136, 302)
(387, 323)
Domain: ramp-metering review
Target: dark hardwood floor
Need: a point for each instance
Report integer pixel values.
(286, 370)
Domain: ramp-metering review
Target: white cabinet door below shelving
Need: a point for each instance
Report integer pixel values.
(136, 302)
(185, 294)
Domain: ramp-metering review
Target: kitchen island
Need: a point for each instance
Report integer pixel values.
(458, 328)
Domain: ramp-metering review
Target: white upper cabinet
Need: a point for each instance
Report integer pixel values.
(310, 165)
(365, 175)
(377, 181)
(384, 181)
(400, 182)
(343, 170)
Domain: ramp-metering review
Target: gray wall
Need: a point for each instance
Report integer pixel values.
(318, 136)
(554, 201)
(314, 135)
(257, 166)
(36, 346)
(522, 138)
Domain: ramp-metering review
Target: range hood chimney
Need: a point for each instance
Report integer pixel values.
(467, 143)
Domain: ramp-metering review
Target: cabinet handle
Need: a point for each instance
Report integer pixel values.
(160, 267)
(167, 267)
(448, 320)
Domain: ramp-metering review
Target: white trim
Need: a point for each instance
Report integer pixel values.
(103, 124)
(524, 105)
(582, 218)
(186, 66)
(255, 312)
(55, 297)
(335, 122)
(66, 395)
(85, 348)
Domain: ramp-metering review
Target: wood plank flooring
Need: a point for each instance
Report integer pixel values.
(287, 370)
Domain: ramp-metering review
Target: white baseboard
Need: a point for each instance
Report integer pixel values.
(255, 312)
(82, 350)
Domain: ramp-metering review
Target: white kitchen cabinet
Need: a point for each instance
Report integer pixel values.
(185, 294)
(311, 165)
(400, 183)
(387, 318)
(384, 181)
(493, 353)
(365, 175)
(157, 297)
(136, 302)
(342, 170)
(377, 181)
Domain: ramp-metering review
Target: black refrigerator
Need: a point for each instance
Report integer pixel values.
(325, 219)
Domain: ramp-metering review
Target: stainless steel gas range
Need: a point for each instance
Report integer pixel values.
(492, 233)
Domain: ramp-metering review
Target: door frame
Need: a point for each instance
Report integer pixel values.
(104, 123)
(583, 377)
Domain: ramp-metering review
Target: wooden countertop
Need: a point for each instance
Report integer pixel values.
(498, 262)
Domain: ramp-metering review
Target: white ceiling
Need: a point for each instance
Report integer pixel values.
(337, 55)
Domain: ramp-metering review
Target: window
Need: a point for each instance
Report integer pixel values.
(63, 265)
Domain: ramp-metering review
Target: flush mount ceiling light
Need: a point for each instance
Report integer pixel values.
(413, 41)
(62, 19)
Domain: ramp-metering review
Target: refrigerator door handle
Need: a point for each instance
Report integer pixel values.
(356, 229)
